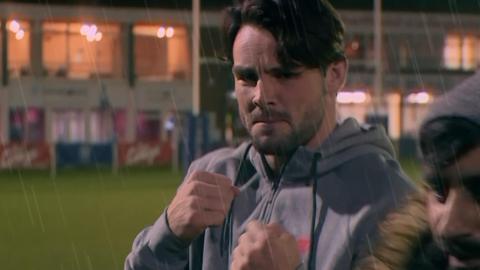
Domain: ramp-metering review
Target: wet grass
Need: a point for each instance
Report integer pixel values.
(84, 218)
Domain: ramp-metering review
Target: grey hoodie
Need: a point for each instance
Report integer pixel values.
(357, 182)
(461, 101)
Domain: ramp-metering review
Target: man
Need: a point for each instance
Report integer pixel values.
(306, 191)
(440, 228)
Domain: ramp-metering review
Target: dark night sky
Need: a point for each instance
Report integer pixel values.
(461, 6)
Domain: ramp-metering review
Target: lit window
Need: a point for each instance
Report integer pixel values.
(68, 126)
(161, 52)
(419, 98)
(452, 53)
(461, 52)
(415, 107)
(106, 126)
(468, 53)
(478, 52)
(356, 97)
(81, 50)
(18, 47)
(101, 126)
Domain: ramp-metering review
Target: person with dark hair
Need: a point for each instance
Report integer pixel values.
(440, 228)
(306, 192)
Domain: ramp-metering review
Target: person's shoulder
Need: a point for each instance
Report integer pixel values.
(373, 166)
(217, 159)
(375, 176)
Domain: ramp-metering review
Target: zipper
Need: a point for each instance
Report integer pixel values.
(268, 208)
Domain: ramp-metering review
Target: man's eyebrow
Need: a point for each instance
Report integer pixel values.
(243, 70)
(282, 70)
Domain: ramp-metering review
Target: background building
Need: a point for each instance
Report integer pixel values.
(104, 74)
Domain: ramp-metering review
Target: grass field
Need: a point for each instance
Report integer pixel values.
(84, 219)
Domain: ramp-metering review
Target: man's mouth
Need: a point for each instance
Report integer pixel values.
(270, 117)
(464, 248)
(267, 121)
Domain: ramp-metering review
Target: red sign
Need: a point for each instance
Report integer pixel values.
(18, 155)
(144, 153)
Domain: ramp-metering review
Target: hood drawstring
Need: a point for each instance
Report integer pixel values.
(314, 230)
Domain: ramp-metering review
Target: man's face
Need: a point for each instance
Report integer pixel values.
(281, 108)
(453, 205)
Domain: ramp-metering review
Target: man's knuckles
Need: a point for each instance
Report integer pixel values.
(252, 246)
(197, 176)
(257, 248)
(190, 203)
(191, 217)
(275, 229)
(237, 252)
(194, 188)
(243, 239)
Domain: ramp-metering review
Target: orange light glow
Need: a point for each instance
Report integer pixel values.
(161, 32)
(14, 26)
(357, 97)
(419, 98)
(19, 35)
(170, 32)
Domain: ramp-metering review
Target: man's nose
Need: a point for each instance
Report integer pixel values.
(263, 96)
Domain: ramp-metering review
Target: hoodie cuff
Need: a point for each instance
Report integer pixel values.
(163, 242)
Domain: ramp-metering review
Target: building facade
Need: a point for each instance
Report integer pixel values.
(88, 74)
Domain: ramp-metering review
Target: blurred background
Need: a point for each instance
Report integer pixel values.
(103, 104)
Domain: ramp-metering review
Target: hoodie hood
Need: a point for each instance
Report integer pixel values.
(461, 101)
(349, 140)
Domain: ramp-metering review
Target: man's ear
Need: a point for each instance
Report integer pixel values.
(336, 76)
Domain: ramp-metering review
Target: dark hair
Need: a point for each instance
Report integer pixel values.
(445, 139)
(308, 32)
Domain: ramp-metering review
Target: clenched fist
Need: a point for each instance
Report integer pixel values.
(266, 246)
(203, 200)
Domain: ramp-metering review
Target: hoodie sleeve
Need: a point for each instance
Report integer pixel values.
(156, 247)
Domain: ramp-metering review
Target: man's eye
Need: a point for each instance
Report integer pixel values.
(248, 79)
(440, 187)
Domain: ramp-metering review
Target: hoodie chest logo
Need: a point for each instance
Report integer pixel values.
(303, 244)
